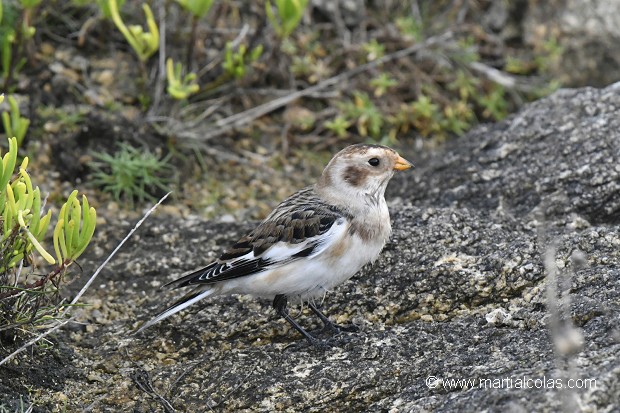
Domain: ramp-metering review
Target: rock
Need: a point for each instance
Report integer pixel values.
(578, 37)
(454, 314)
(588, 32)
(557, 159)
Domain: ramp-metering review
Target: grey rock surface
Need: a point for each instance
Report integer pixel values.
(559, 157)
(588, 32)
(454, 316)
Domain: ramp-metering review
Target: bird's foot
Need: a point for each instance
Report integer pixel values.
(334, 328)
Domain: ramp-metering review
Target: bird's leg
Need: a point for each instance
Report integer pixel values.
(279, 304)
(326, 321)
(330, 325)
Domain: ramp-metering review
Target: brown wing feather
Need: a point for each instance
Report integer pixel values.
(296, 219)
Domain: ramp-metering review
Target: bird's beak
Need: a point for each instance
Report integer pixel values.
(402, 164)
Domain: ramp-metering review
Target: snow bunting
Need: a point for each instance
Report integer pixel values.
(313, 241)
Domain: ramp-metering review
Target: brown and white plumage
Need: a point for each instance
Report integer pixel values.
(314, 240)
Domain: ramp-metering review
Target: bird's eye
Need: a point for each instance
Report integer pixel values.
(374, 161)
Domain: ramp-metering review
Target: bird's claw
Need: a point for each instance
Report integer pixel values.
(338, 328)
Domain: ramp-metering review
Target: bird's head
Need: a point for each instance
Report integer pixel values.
(360, 171)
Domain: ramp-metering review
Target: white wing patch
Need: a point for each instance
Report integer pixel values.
(278, 255)
(284, 252)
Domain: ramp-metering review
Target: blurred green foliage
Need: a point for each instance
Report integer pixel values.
(144, 43)
(15, 125)
(105, 9)
(236, 62)
(180, 87)
(289, 14)
(131, 174)
(198, 8)
(24, 226)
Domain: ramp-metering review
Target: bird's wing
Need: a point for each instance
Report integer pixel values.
(300, 227)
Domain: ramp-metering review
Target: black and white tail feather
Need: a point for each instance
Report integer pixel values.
(187, 300)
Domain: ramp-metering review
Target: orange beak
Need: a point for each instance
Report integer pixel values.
(402, 164)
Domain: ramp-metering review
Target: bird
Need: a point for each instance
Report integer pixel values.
(314, 240)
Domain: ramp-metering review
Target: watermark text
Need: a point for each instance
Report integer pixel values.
(521, 382)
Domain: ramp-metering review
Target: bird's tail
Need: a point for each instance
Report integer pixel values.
(189, 299)
(192, 278)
